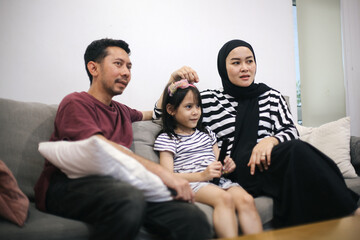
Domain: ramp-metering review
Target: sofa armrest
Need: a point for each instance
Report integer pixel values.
(355, 153)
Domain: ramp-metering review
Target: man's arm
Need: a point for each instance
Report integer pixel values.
(147, 115)
(181, 186)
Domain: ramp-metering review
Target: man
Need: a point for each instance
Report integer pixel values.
(114, 208)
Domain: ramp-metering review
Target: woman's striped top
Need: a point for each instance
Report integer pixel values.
(274, 116)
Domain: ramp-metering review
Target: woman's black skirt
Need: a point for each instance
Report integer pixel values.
(305, 184)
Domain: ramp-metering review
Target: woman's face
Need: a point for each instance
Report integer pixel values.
(241, 67)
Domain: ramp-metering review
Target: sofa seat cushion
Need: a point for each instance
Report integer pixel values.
(264, 205)
(355, 153)
(40, 225)
(353, 184)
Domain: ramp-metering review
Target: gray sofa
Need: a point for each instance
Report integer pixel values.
(23, 125)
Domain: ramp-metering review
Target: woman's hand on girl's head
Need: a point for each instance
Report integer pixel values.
(261, 154)
(212, 171)
(185, 73)
(229, 165)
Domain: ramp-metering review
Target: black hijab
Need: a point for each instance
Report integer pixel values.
(247, 117)
(254, 90)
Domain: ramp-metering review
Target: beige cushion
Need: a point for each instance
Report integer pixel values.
(333, 139)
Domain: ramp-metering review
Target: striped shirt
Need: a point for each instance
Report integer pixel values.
(274, 116)
(192, 153)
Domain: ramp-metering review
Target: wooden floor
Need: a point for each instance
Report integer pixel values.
(347, 228)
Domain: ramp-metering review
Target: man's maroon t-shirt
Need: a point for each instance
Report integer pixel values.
(81, 116)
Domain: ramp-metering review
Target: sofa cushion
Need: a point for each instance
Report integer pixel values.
(333, 139)
(14, 204)
(353, 184)
(95, 156)
(23, 125)
(264, 205)
(43, 226)
(355, 153)
(145, 133)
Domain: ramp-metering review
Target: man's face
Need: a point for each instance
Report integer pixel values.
(115, 71)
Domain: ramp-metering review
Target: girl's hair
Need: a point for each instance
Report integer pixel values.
(175, 99)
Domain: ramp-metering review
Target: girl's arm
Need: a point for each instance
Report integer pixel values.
(212, 171)
(147, 115)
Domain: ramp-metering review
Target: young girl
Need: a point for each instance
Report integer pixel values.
(191, 151)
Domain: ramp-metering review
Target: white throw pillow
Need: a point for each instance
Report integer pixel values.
(94, 156)
(333, 139)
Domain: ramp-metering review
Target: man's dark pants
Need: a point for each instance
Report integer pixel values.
(116, 210)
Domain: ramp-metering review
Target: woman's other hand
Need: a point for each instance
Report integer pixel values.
(261, 154)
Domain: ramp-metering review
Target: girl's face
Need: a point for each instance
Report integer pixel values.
(241, 67)
(187, 114)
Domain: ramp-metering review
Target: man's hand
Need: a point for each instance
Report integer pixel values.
(261, 154)
(182, 188)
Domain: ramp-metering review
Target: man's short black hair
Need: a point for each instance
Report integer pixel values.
(97, 51)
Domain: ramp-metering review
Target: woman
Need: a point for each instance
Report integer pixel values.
(305, 184)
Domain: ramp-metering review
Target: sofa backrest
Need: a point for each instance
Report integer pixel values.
(22, 126)
(145, 133)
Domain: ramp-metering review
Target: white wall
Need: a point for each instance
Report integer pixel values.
(42, 43)
(321, 65)
(350, 16)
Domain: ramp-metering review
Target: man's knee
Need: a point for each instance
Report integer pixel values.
(179, 219)
(124, 202)
(104, 202)
(122, 212)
